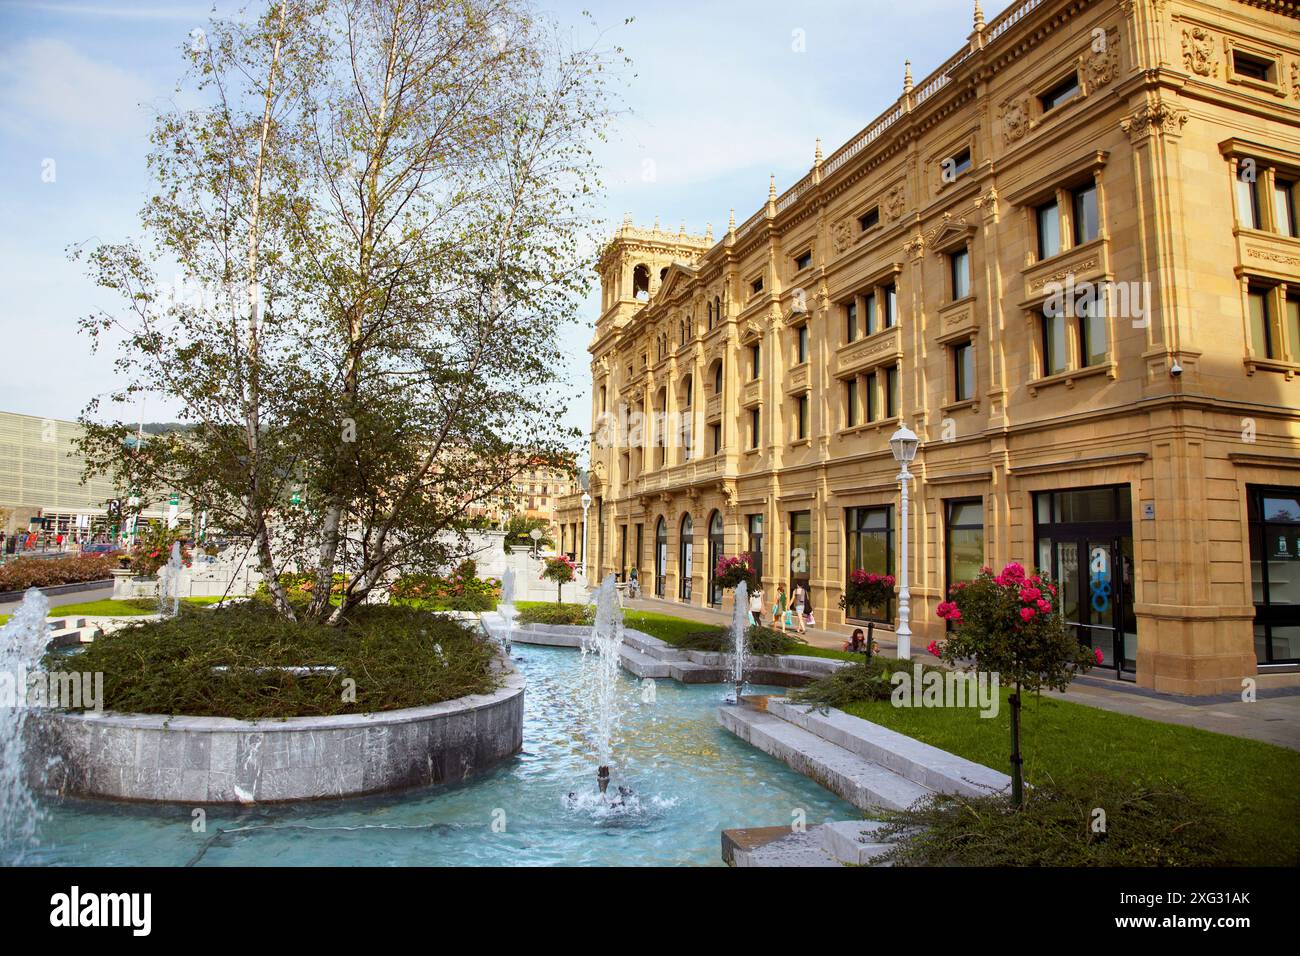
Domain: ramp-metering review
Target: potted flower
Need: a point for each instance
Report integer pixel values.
(729, 572)
(867, 589)
(1009, 625)
(560, 570)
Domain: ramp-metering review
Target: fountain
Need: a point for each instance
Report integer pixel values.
(739, 645)
(507, 606)
(601, 652)
(22, 644)
(169, 584)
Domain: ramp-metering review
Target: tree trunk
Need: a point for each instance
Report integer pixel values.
(1017, 762)
(871, 628)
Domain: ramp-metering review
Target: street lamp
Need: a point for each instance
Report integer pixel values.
(903, 444)
(586, 504)
(536, 535)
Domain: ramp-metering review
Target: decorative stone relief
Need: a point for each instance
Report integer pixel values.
(1015, 119)
(841, 234)
(1295, 79)
(1158, 117)
(895, 201)
(988, 204)
(1198, 52)
(1102, 65)
(914, 247)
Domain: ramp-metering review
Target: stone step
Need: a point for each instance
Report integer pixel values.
(641, 665)
(63, 623)
(653, 646)
(853, 841)
(792, 850)
(920, 763)
(688, 672)
(859, 781)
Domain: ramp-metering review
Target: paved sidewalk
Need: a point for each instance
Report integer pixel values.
(1273, 718)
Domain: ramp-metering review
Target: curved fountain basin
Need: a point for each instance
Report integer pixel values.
(158, 758)
(692, 779)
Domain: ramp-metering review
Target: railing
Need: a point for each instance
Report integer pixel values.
(932, 84)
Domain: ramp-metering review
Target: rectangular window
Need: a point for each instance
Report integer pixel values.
(756, 286)
(1284, 207)
(850, 402)
(956, 164)
(1254, 67)
(891, 305)
(873, 411)
(803, 261)
(1261, 332)
(753, 427)
(1054, 354)
(1274, 515)
(801, 416)
(1087, 225)
(1061, 93)
(872, 323)
(755, 360)
(963, 361)
(755, 544)
(1293, 326)
(803, 345)
(715, 438)
(870, 219)
(801, 554)
(1091, 311)
(891, 392)
(869, 537)
(850, 321)
(959, 271)
(1247, 196)
(963, 550)
(1048, 217)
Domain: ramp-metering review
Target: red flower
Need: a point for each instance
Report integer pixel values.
(933, 648)
(948, 611)
(1030, 595)
(1096, 652)
(1027, 614)
(1045, 606)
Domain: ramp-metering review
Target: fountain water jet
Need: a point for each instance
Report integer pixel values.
(600, 652)
(507, 606)
(169, 584)
(739, 643)
(22, 644)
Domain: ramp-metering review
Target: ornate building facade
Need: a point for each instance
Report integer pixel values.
(1068, 259)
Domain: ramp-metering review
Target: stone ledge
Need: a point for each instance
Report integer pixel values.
(156, 758)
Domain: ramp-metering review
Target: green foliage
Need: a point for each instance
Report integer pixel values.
(23, 573)
(518, 528)
(761, 640)
(860, 681)
(153, 549)
(1145, 825)
(575, 614)
(399, 657)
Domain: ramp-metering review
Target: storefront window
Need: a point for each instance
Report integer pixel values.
(801, 556)
(1275, 572)
(964, 542)
(870, 545)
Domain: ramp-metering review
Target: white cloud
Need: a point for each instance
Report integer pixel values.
(49, 91)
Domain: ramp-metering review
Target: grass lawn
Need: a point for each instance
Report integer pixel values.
(110, 608)
(1251, 784)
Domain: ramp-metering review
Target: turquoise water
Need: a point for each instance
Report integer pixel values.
(691, 779)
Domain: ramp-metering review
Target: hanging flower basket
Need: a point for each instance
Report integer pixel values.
(729, 572)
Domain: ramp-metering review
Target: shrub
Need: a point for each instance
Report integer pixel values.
(1158, 825)
(574, 614)
(863, 680)
(399, 657)
(461, 583)
(24, 573)
(560, 570)
(1010, 625)
(729, 572)
(762, 640)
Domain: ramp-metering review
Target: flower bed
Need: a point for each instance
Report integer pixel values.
(24, 573)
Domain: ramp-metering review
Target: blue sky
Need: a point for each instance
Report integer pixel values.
(719, 96)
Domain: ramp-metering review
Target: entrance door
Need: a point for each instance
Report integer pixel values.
(1086, 544)
(661, 556)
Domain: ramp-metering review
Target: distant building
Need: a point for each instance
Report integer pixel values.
(41, 485)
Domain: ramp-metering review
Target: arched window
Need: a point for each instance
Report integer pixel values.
(717, 377)
(717, 309)
(686, 558)
(715, 553)
(641, 282)
(661, 556)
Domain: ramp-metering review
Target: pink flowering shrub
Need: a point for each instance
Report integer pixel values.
(867, 589)
(729, 572)
(1009, 624)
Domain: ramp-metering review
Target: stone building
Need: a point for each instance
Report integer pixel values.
(1068, 259)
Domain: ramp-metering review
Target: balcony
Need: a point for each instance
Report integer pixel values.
(881, 347)
(797, 380)
(713, 408)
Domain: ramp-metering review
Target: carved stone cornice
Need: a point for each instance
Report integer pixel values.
(1154, 118)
